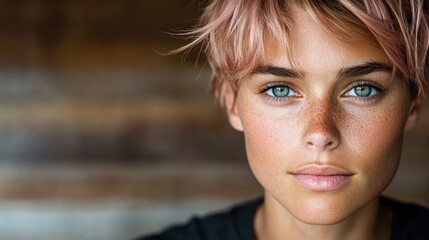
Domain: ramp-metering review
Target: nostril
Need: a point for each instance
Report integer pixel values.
(322, 145)
(321, 138)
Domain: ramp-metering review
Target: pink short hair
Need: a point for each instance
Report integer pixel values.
(233, 33)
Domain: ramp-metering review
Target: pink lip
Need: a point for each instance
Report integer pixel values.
(322, 178)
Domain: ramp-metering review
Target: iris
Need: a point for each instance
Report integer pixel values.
(363, 90)
(280, 91)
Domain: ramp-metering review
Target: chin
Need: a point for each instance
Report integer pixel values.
(317, 218)
(322, 211)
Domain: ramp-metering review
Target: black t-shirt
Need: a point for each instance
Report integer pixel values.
(410, 222)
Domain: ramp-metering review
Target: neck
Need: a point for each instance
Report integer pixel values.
(373, 221)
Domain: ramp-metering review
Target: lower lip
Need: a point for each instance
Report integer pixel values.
(322, 183)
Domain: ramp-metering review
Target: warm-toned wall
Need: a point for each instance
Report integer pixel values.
(104, 138)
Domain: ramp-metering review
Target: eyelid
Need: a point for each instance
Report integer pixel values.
(375, 85)
(278, 100)
(269, 85)
(380, 91)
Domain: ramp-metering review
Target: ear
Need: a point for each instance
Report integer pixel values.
(231, 107)
(416, 106)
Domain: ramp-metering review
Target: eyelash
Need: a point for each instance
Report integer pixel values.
(271, 85)
(379, 91)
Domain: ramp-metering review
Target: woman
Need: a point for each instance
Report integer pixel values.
(323, 92)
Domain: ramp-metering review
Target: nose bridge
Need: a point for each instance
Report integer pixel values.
(321, 130)
(321, 114)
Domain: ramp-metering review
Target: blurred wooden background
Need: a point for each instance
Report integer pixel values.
(104, 138)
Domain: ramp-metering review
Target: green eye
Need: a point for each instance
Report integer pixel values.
(280, 91)
(362, 91)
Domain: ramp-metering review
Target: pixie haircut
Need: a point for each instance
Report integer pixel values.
(233, 34)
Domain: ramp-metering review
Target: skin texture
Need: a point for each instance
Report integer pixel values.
(322, 124)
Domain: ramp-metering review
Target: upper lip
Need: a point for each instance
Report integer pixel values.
(322, 171)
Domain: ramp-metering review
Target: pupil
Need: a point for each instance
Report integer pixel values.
(281, 91)
(363, 91)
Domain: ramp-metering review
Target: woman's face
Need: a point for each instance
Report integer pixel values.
(324, 135)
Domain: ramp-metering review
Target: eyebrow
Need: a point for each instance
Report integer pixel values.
(277, 71)
(364, 69)
(354, 71)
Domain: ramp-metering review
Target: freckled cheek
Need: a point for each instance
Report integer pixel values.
(377, 142)
(269, 140)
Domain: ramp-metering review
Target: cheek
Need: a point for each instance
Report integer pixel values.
(375, 141)
(374, 136)
(270, 139)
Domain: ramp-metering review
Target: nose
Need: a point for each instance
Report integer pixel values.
(321, 132)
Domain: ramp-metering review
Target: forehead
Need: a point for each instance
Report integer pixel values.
(310, 46)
